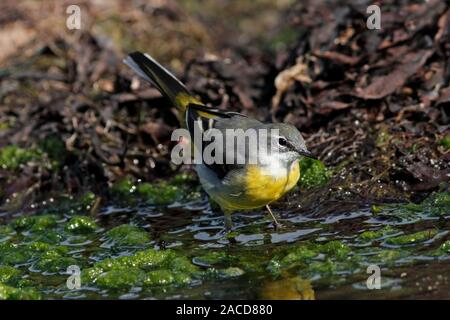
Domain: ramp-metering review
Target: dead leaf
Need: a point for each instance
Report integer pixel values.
(381, 86)
(286, 78)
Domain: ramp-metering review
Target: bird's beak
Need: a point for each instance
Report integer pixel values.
(307, 154)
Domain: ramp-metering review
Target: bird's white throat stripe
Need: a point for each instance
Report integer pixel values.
(275, 166)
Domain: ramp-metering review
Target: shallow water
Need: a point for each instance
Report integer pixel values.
(310, 256)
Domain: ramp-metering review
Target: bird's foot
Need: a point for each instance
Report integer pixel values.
(276, 224)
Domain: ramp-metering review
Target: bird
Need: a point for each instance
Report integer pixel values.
(233, 186)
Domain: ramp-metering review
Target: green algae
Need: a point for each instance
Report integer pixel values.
(123, 187)
(146, 259)
(376, 209)
(12, 156)
(12, 254)
(158, 192)
(445, 142)
(383, 138)
(35, 223)
(55, 148)
(119, 257)
(222, 274)
(299, 254)
(442, 250)
(414, 238)
(51, 149)
(184, 178)
(166, 277)
(87, 200)
(126, 234)
(148, 267)
(53, 262)
(387, 257)
(11, 293)
(9, 274)
(215, 258)
(81, 225)
(231, 272)
(371, 235)
(5, 232)
(313, 259)
(49, 236)
(4, 126)
(121, 278)
(437, 204)
(313, 173)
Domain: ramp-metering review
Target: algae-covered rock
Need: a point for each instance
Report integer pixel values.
(231, 272)
(55, 148)
(12, 156)
(445, 142)
(414, 238)
(301, 253)
(146, 259)
(10, 293)
(183, 178)
(313, 173)
(166, 277)
(11, 254)
(213, 258)
(116, 279)
(8, 273)
(35, 223)
(159, 194)
(371, 235)
(38, 246)
(335, 249)
(81, 225)
(437, 204)
(53, 261)
(312, 258)
(147, 267)
(49, 236)
(443, 250)
(440, 203)
(23, 223)
(387, 256)
(45, 222)
(222, 274)
(129, 235)
(5, 232)
(180, 264)
(123, 187)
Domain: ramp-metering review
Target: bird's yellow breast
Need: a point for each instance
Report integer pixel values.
(263, 187)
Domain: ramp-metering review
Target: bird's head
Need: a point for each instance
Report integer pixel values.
(288, 142)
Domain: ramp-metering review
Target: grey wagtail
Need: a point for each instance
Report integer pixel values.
(233, 186)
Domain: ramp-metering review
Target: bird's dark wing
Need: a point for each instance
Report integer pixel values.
(202, 118)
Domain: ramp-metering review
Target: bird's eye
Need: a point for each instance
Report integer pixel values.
(282, 142)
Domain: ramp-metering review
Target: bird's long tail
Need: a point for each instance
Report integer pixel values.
(149, 69)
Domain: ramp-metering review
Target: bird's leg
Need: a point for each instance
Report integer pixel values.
(228, 220)
(229, 226)
(275, 221)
